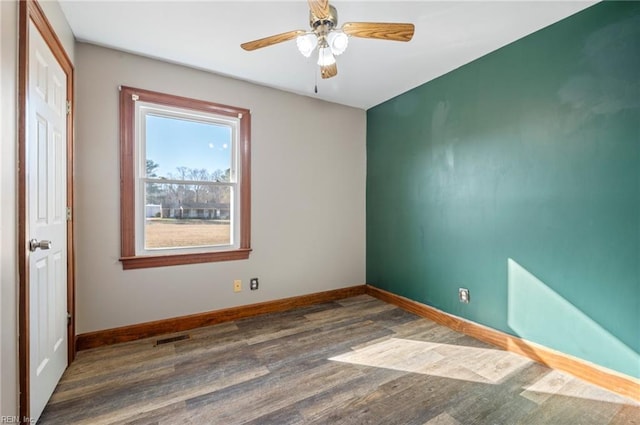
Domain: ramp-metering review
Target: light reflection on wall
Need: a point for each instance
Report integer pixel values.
(537, 313)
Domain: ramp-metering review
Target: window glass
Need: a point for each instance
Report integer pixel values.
(187, 148)
(189, 180)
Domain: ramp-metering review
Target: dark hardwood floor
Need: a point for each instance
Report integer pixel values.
(354, 361)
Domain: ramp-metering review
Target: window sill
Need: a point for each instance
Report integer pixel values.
(148, 261)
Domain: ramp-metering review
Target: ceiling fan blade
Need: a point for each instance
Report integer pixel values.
(271, 40)
(328, 71)
(319, 8)
(379, 30)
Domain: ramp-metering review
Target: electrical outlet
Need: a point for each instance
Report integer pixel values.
(463, 295)
(237, 285)
(254, 283)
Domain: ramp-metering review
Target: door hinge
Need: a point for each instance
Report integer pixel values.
(68, 319)
(68, 107)
(68, 214)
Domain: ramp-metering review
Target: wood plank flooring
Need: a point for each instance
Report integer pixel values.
(353, 361)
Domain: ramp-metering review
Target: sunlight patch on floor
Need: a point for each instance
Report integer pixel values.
(559, 383)
(482, 365)
(449, 361)
(443, 419)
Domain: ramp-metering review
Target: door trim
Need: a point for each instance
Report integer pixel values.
(30, 11)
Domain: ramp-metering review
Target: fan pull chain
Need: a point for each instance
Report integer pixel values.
(315, 89)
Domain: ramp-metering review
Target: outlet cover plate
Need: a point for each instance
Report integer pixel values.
(463, 295)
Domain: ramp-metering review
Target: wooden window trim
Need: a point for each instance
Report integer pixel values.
(128, 257)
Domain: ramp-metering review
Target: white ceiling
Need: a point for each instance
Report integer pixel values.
(208, 34)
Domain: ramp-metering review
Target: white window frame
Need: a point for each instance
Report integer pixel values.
(142, 110)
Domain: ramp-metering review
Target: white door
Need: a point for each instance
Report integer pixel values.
(47, 221)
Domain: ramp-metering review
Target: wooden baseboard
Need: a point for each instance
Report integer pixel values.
(179, 324)
(605, 378)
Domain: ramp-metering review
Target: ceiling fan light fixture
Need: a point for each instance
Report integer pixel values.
(325, 57)
(338, 42)
(307, 43)
(329, 39)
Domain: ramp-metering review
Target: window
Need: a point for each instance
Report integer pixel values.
(185, 180)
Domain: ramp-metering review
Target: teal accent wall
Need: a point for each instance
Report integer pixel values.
(518, 176)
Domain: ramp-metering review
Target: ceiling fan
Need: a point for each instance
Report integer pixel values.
(330, 40)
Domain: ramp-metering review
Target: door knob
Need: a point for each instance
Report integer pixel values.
(35, 244)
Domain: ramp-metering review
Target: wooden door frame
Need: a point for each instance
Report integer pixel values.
(30, 11)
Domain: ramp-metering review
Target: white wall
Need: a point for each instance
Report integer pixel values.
(8, 224)
(8, 192)
(1, 192)
(308, 197)
(58, 21)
